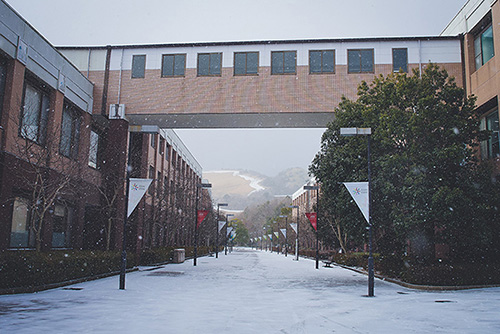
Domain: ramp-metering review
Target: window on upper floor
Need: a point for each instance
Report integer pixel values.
(209, 64)
(400, 60)
(94, 149)
(70, 131)
(246, 63)
(283, 62)
(360, 61)
(35, 112)
(138, 66)
(167, 151)
(161, 149)
(3, 76)
(151, 189)
(490, 148)
(153, 140)
(173, 65)
(483, 46)
(321, 61)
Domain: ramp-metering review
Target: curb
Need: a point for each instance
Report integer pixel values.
(419, 286)
(38, 288)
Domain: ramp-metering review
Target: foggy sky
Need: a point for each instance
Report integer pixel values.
(268, 151)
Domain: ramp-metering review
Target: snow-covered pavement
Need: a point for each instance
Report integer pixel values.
(248, 291)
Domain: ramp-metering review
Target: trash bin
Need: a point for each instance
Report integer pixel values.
(179, 255)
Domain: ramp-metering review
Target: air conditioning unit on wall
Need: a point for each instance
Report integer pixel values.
(117, 111)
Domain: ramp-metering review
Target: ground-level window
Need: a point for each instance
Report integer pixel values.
(34, 113)
(209, 64)
(173, 65)
(61, 226)
(321, 61)
(400, 60)
(284, 62)
(70, 131)
(360, 61)
(490, 148)
(138, 66)
(21, 235)
(483, 47)
(246, 63)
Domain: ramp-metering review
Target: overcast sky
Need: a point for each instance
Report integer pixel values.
(118, 22)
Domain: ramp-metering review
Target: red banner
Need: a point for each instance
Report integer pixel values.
(313, 218)
(201, 215)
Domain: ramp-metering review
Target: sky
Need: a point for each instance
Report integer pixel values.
(121, 22)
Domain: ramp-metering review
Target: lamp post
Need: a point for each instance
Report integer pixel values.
(366, 132)
(217, 229)
(272, 234)
(198, 186)
(225, 242)
(297, 234)
(286, 230)
(317, 220)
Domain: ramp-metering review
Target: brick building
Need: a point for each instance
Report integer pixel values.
(63, 161)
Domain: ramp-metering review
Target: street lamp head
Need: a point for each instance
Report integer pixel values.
(204, 185)
(222, 204)
(347, 132)
(311, 187)
(229, 215)
(283, 216)
(293, 206)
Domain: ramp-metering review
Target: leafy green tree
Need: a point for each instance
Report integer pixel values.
(427, 185)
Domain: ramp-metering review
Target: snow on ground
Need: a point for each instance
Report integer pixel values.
(248, 291)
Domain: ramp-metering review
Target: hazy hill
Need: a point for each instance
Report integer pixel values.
(241, 188)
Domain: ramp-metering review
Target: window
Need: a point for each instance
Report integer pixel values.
(209, 64)
(322, 61)
(162, 146)
(483, 47)
(35, 113)
(70, 131)
(491, 148)
(20, 233)
(246, 63)
(283, 62)
(153, 140)
(61, 226)
(3, 76)
(138, 66)
(167, 152)
(93, 149)
(151, 189)
(400, 60)
(360, 61)
(173, 65)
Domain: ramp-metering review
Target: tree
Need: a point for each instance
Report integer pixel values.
(426, 178)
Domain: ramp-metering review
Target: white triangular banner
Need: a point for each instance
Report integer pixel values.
(276, 234)
(136, 190)
(294, 227)
(359, 192)
(264, 237)
(270, 236)
(283, 230)
(229, 229)
(260, 238)
(221, 224)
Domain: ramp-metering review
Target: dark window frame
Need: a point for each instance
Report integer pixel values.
(95, 150)
(486, 26)
(66, 222)
(75, 118)
(490, 148)
(322, 62)
(29, 239)
(394, 69)
(42, 112)
(134, 74)
(283, 72)
(210, 54)
(173, 75)
(361, 61)
(246, 73)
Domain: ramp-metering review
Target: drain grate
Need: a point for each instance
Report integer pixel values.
(166, 273)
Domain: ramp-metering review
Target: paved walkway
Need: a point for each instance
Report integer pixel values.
(248, 291)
